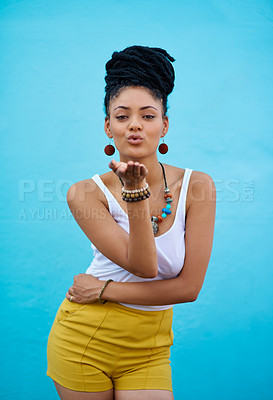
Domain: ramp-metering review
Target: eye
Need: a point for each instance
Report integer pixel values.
(149, 116)
(121, 117)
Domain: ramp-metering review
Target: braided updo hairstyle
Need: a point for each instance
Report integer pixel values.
(143, 66)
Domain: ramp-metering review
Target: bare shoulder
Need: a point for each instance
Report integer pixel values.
(198, 179)
(175, 174)
(78, 188)
(85, 192)
(201, 187)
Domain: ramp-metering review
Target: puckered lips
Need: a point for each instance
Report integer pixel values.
(135, 138)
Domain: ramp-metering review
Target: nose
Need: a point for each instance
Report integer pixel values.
(135, 125)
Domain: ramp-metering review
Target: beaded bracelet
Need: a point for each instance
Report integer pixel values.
(136, 196)
(102, 289)
(135, 190)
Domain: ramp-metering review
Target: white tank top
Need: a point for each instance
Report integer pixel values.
(170, 245)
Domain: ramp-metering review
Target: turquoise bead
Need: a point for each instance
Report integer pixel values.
(164, 215)
(168, 206)
(166, 211)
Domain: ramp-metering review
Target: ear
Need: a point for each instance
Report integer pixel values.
(107, 129)
(165, 125)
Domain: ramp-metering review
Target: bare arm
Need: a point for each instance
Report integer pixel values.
(135, 252)
(141, 253)
(184, 288)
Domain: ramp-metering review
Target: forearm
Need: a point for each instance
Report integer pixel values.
(153, 293)
(142, 255)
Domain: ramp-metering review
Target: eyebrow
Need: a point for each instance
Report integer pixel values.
(128, 108)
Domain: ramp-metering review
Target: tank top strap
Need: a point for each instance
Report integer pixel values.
(113, 205)
(181, 206)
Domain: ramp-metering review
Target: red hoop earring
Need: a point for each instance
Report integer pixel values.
(163, 148)
(109, 150)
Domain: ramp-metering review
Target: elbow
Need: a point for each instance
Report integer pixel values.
(150, 276)
(188, 295)
(146, 270)
(194, 295)
(187, 292)
(147, 274)
(152, 273)
(192, 298)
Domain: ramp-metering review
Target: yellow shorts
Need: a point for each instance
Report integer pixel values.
(95, 347)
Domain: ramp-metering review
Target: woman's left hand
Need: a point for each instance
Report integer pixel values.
(86, 289)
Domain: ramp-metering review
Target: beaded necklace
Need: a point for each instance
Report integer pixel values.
(166, 210)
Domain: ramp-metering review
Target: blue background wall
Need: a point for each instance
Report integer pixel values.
(52, 85)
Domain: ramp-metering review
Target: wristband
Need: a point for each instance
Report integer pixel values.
(135, 190)
(102, 289)
(137, 194)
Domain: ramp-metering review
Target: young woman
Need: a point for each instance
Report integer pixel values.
(151, 226)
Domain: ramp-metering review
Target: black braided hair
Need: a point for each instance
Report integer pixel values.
(143, 66)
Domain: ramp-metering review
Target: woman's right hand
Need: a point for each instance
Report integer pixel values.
(132, 173)
(85, 289)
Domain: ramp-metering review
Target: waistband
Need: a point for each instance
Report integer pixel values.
(121, 307)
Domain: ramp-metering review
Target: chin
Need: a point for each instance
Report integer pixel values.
(136, 153)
